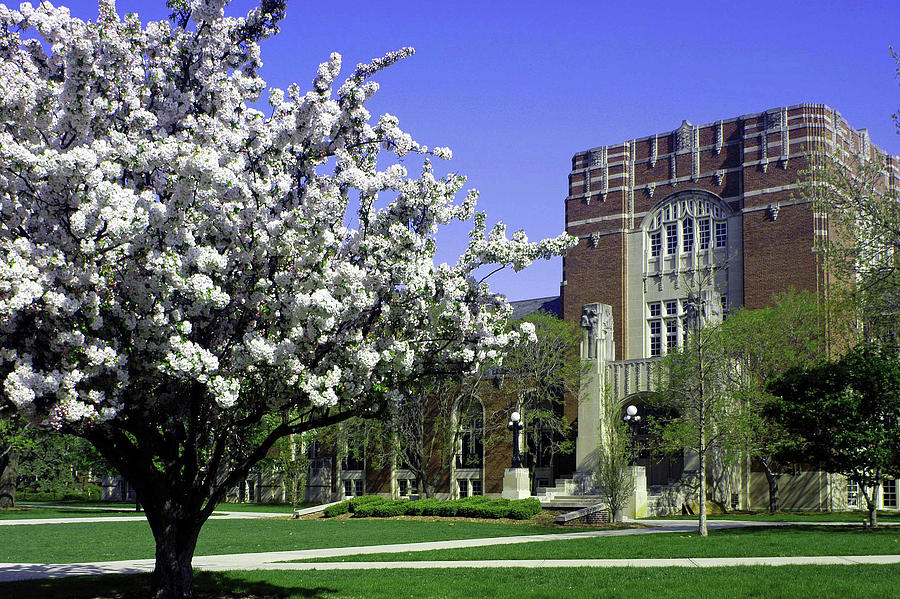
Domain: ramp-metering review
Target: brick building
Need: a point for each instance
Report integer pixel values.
(720, 200)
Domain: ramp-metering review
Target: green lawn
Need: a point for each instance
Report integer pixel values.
(736, 542)
(105, 541)
(822, 582)
(27, 513)
(799, 516)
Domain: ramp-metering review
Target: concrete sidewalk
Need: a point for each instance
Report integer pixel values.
(276, 560)
(139, 516)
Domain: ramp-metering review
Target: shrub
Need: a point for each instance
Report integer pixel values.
(336, 509)
(361, 500)
(374, 506)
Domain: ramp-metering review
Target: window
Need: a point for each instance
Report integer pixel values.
(889, 493)
(672, 308)
(852, 493)
(471, 451)
(671, 334)
(403, 484)
(476, 487)
(655, 338)
(671, 238)
(358, 487)
(724, 300)
(654, 309)
(703, 233)
(721, 234)
(655, 243)
(463, 485)
(348, 488)
(687, 233)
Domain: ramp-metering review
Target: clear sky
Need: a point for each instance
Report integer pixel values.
(517, 88)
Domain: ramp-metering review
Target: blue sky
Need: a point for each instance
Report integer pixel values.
(517, 88)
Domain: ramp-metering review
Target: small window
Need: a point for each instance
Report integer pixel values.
(889, 493)
(655, 243)
(671, 334)
(703, 234)
(655, 338)
(724, 300)
(348, 488)
(404, 487)
(463, 487)
(358, 487)
(672, 308)
(721, 234)
(852, 493)
(687, 232)
(671, 238)
(654, 309)
(476, 486)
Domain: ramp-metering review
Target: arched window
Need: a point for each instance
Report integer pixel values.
(685, 223)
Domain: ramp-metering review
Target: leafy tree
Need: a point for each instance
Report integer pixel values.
(537, 377)
(693, 395)
(844, 416)
(765, 343)
(289, 459)
(615, 480)
(187, 278)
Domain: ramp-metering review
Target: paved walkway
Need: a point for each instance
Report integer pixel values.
(275, 560)
(133, 515)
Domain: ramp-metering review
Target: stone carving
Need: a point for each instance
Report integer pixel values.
(763, 151)
(684, 136)
(720, 138)
(597, 332)
(785, 139)
(720, 176)
(772, 211)
(672, 174)
(695, 153)
(651, 189)
(594, 239)
(772, 120)
(654, 154)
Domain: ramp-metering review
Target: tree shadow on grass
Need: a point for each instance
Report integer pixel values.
(207, 585)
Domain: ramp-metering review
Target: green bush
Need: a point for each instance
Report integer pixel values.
(524, 509)
(361, 500)
(337, 509)
(374, 506)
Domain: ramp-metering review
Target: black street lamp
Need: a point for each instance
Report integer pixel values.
(632, 418)
(515, 426)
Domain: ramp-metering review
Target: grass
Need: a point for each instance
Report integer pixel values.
(822, 582)
(106, 541)
(799, 516)
(735, 542)
(28, 513)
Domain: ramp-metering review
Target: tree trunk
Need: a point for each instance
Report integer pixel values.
(702, 530)
(9, 470)
(173, 576)
(772, 479)
(870, 504)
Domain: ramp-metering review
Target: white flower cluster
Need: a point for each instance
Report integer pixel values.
(161, 234)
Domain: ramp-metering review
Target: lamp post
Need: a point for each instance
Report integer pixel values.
(515, 426)
(632, 419)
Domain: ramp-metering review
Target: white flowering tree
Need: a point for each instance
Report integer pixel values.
(186, 278)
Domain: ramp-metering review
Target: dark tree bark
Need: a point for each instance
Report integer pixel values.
(9, 468)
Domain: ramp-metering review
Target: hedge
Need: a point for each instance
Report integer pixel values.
(375, 506)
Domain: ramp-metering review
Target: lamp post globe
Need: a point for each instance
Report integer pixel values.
(515, 425)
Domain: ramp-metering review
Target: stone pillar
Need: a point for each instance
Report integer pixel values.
(597, 349)
(636, 507)
(516, 483)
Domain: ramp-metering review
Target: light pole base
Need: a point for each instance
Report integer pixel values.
(516, 483)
